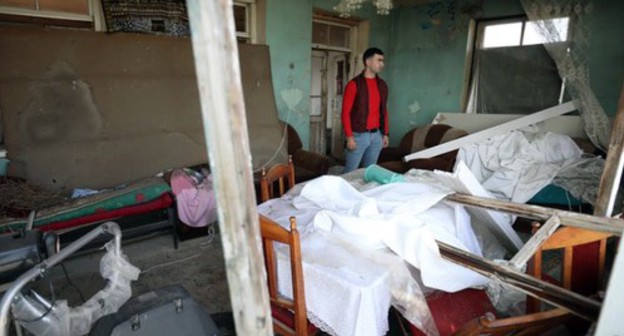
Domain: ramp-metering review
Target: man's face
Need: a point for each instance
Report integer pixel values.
(375, 63)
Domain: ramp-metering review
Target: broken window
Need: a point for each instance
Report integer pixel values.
(512, 72)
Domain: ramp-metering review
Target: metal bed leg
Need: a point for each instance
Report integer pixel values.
(171, 214)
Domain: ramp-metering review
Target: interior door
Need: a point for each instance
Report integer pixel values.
(339, 70)
(318, 102)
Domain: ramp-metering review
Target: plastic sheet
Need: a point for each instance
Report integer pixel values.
(63, 320)
(507, 300)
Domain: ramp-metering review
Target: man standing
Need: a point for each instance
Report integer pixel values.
(364, 113)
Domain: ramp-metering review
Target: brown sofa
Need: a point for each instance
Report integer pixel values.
(416, 140)
(308, 165)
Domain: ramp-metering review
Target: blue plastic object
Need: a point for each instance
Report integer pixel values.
(3, 166)
(381, 175)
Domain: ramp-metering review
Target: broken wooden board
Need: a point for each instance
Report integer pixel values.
(582, 221)
(490, 132)
(582, 306)
(612, 173)
(570, 125)
(463, 181)
(528, 250)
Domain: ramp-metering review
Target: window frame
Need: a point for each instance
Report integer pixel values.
(523, 19)
(328, 47)
(476, 30)
(95, 17)
(250, 35)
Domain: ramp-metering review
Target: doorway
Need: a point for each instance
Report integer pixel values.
(329, 75)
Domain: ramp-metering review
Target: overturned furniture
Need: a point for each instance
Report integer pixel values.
(566, 300)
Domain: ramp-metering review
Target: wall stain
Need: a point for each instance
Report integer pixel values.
(61, 109)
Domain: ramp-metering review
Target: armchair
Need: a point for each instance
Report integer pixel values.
(308, 165)
(418, 139)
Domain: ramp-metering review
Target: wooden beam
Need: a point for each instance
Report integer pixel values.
(490, 132)
(577, 304)
(225, 127)
(583, 221)
(463, 181)
(528, 250)
(610, 179)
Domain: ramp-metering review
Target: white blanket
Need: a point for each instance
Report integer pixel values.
(518, 164)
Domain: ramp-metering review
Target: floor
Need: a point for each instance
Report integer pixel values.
(197, 265)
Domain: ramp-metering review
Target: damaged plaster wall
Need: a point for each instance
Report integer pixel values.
(289, 35)
(92, 110)
(427, 55)
(426, 63)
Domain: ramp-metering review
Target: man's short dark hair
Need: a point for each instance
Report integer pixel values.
(370, 52)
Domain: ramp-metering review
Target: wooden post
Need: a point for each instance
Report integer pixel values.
(225, 127)
(610, 180)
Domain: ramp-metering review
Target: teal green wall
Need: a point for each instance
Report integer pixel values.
(606, 52)
(426, 59)
(425, 67)
(289, 36)
(425, 50)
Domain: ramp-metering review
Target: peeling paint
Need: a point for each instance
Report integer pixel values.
(292, 97)
(413, 109)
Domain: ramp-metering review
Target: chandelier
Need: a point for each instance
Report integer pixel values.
(345, 7)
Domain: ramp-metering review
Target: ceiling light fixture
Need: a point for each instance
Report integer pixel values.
(346, 7)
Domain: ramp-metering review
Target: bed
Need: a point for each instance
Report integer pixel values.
(136, 198)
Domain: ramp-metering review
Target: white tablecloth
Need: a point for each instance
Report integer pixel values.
(353, 250)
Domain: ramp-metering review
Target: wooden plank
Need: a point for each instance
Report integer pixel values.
(570, 125)
(463, 181)
(225, 127)
(528, 250)
(583, 221)
(488, 133)
(577, 304)
(610, 179)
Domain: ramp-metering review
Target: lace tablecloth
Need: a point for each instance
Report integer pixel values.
(346, 293)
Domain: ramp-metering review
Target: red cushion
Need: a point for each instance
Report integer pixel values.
(451, 311)
(288, 318)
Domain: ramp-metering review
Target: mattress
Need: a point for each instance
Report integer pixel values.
(138, 197)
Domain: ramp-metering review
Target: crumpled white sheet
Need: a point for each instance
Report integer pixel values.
(518, 164)
(405, 217)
